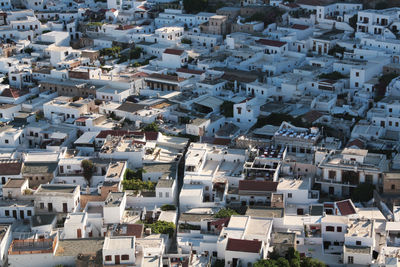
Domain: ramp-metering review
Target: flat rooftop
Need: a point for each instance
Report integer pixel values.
(266, 212)
(74, 247)
(119, 242)
(115, 169)
(114, 199)
(360, 228)
(50, 188)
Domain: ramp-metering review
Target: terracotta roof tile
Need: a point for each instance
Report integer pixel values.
(312, 116)
(271, 42)
(267, 186)
(299, 27)
(10, 168)
(346, 207)
(242, 245)
(171, 51)
(356, 142)
(14, 93)
(184, 70)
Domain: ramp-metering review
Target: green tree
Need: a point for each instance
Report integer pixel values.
(28, 50)
(88, 170)
(310, 262)
(382, 5)
(265, 263)
(152, 127)
(132, 174)
(195, 6)
(335, 75)
(219, 263)
(227, 109)
(6, 80)
(353, 21)
(162, 227)
(363, 192)
(282, 262)
(336, 49)
(186, 41)
(225, 213)
(135, 53)
(292, 254)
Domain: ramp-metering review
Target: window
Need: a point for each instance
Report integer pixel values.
(29, 213)
(7, 213)
(339, 229)
(356, 84)
(6, 141)
(350, 259)
(358, 243)
(108, 258)
(393, 187)
(125, 257)
(160, 194)
(41, 205)
(330, 229)
(332, 174)
(166, 194)
(357, 74)
(289, 195)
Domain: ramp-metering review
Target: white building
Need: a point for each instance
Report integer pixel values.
(57, 198)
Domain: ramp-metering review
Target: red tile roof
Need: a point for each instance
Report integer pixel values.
(220, 223)
(165, 77)
(314, 2)
(81, 119)
(267, 186)
(132, 230)
(14, 93)
(125, 27)
(312, 116)
(184, 70)
(291, 5)
(177, 52)
(346, 207)
(140, 74)
(356, 142)
(10, 168)
(143, 7)
(222, 141)
(299, 27)
(242, 245)
(151, 135)
(271, 42)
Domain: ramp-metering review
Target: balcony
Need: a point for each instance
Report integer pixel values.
(322, 180)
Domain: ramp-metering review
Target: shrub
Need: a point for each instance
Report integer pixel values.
(162, 227)
(186, 41)
(166, 207)
(225, 213)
